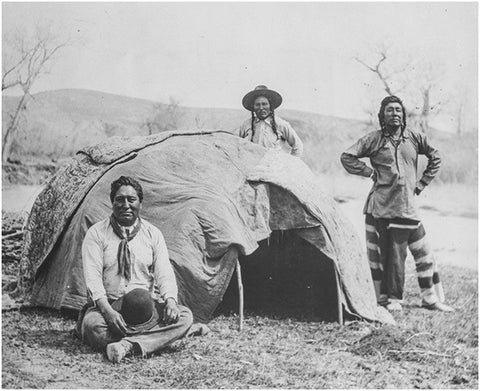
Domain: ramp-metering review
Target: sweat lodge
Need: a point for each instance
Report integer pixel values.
(217, 199)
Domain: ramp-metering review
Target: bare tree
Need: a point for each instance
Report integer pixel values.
(390, 73)
(464, 108)
(399, 75)
(378, 69)
(164, 117)
(426, 79)
(23, 61)
(390, 76)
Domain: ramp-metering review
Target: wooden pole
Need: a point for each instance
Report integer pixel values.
(339, 297)
(240, 296)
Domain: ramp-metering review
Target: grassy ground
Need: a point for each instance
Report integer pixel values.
(425, 350)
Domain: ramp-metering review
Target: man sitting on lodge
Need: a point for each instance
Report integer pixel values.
(264, 128)
(124, 258)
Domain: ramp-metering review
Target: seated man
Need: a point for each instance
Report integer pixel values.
(124, 257)
(266, 128)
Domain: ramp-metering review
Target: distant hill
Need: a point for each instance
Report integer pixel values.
(58, 123)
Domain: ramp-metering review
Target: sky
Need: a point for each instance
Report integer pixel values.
(211, 54)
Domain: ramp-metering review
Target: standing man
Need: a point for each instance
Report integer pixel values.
(264, 127)
(124, 257)
(392, 222)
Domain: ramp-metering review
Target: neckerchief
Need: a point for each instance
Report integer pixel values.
(123, 254)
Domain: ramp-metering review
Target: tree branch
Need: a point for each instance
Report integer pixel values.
(32, 62)
(365, 65)
(376, 69)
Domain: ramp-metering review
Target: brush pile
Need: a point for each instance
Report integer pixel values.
(12, 241)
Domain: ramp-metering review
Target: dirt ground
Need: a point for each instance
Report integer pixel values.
(424, 350)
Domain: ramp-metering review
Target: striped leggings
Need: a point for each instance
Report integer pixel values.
(387, 243)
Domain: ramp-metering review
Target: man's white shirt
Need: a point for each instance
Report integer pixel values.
(150, 262)
(266, 137)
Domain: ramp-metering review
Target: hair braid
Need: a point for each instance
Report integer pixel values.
(253, 125)
(274, 125)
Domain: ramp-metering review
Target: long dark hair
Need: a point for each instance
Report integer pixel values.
(381, 113)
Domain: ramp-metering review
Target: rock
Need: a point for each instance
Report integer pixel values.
(460, 379)
(8, 303)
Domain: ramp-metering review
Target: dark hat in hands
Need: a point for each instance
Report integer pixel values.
(273, 97)
(138, 309)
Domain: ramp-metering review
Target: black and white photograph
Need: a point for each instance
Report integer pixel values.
(237, 195)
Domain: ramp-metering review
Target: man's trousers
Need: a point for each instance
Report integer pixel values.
(95, 332)
(387, 243)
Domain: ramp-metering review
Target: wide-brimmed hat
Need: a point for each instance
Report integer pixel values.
(139, 311)
(274, 97)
